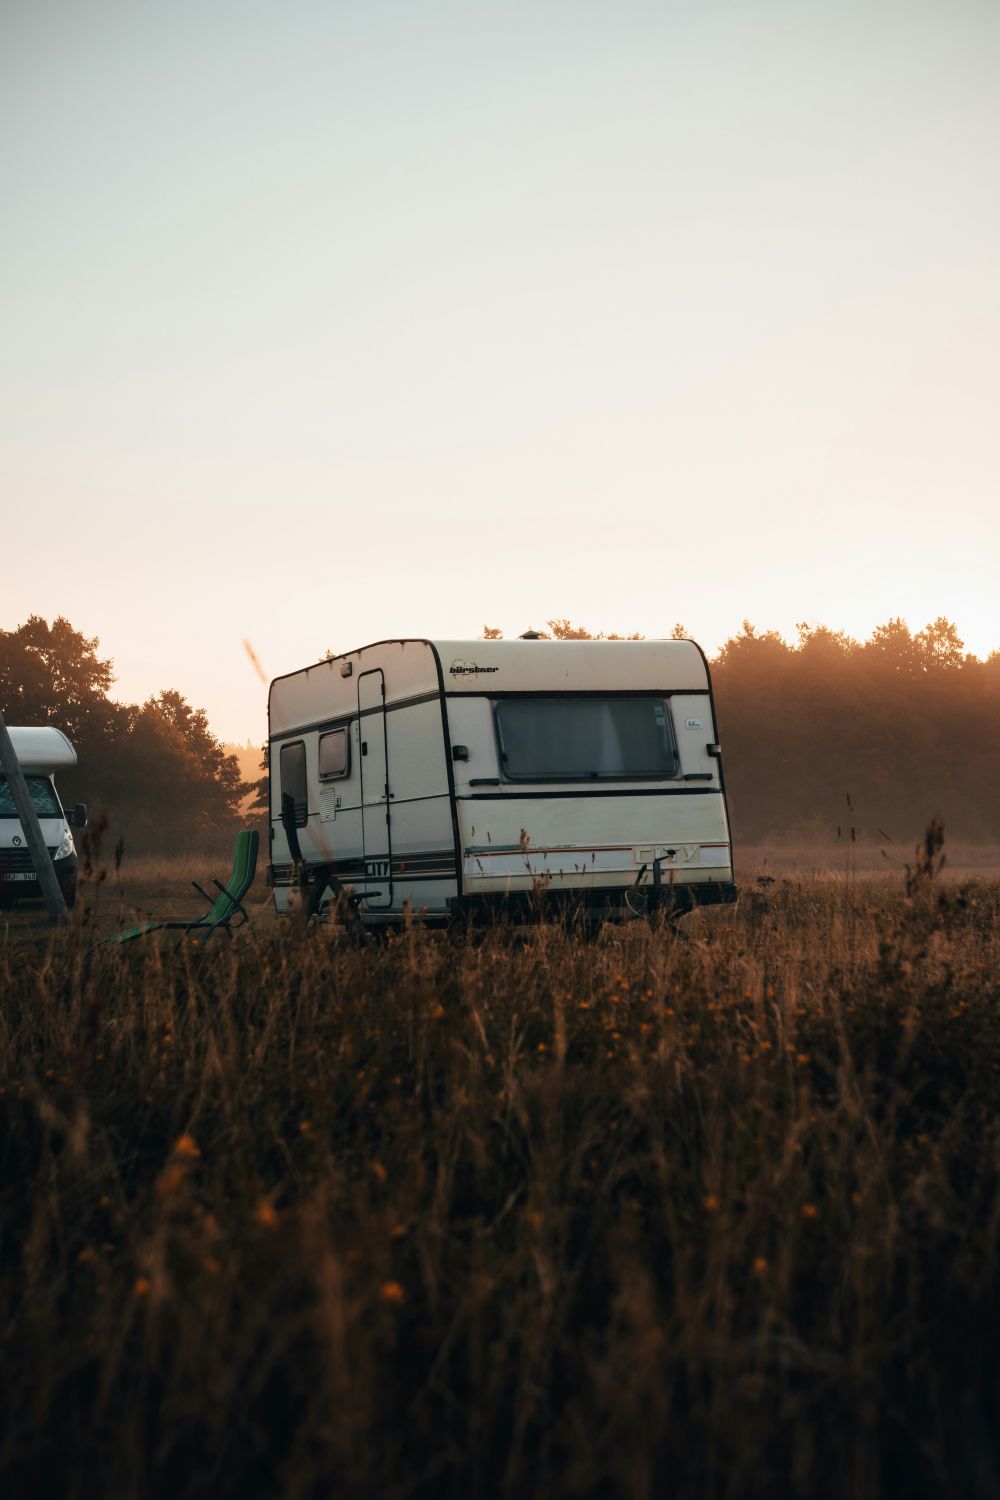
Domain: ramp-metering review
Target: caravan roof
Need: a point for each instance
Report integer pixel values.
(42, 748)
(418, 666)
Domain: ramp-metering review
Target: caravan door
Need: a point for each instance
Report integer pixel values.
(374, 758)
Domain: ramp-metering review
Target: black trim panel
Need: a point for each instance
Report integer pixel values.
(434, 864)
(279, 879)
(659, 791)
(650, 692)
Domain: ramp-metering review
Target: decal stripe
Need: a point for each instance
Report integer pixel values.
(436, 864)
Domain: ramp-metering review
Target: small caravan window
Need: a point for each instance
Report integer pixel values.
(585, 739)
(293, 779)
(334, 754)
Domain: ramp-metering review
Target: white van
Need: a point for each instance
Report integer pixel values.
(457, 777)
(41, 751)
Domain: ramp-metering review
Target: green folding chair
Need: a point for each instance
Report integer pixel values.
(227, 905)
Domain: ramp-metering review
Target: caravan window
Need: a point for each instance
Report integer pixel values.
(585, 739)
(43, 796)
(292, 762)
(334, 754)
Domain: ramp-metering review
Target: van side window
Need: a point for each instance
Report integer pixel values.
(292, 763)
(334, 754)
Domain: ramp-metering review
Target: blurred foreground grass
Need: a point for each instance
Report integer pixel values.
(525, 1215)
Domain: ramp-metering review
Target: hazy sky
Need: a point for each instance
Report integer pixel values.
(323, 322)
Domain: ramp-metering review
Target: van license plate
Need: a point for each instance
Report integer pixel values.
(18, 875)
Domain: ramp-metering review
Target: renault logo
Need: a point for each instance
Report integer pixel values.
(15, 839)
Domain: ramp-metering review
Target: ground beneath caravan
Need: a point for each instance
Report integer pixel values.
(160, 889)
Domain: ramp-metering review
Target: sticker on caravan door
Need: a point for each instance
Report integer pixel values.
(693, 724)
(376, 869)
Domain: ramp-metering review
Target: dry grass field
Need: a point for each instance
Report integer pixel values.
(714, 1215)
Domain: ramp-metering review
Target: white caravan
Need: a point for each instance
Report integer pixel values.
(41, 751)
(459, 777)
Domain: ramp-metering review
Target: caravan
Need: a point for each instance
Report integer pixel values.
(41, 752)
(450, 778)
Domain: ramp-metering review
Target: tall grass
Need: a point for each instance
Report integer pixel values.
(527, 1215)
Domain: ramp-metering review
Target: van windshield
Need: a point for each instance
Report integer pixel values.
(585, 739)
(43, 795)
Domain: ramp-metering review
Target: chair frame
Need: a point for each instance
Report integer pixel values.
(202, 924)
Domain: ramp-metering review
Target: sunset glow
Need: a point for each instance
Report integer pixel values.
(327, 324)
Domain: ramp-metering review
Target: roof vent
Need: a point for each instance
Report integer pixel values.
(531, 635)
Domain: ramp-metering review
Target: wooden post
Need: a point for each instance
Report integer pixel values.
(44, 869)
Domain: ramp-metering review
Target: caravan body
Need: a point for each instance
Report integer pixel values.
(452, 776)
(41, 750)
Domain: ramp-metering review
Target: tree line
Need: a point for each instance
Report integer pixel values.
(164, 779)
(820, 734)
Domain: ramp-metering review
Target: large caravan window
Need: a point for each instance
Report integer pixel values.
(43, 796)
(293, 779)
(334, 754)
(585, 739)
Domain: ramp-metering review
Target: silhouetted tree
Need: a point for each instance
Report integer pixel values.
(565, 630)
(165, 779)
(52, 673)
(261, 788)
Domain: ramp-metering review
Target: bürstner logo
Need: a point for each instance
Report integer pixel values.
(461, 668)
